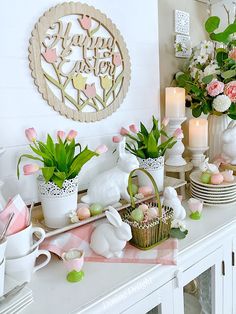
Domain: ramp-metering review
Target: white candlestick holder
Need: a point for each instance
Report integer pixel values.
(197, 155)
(174, 155)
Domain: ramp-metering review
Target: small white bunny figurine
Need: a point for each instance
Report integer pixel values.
(229, 142)
(205, 166)
(172, 200)
(109, 239)
(111, 185)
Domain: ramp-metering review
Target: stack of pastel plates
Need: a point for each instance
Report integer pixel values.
(212, 195)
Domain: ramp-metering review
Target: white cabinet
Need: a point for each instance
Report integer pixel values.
(200, 286)
(157, 302)
(234, 275)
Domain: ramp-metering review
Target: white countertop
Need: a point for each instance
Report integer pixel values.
(52, 293)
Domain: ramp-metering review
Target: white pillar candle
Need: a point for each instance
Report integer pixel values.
(175, 102)
(198, 133)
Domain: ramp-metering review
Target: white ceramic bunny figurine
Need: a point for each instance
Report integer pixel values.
(205, 166)
(229, 142)
(172, 200)
(109, 239)
(111, 185)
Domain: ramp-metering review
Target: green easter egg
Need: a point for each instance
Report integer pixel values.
(96, 209)
(75, 276)
(206, 177)
(137, 215)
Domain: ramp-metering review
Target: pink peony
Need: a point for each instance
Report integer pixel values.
(165, 121)
(133, 128)
(178, 134)
(30, 169)
(230, 90)
(124, 131)
(116, 139)
(215, 88)
(50, 55)
(101, 149)
(31, 134)
(86, 22)
(232, 54)
(71, 135)
(61, 134)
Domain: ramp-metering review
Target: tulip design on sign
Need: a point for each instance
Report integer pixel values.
(83, 60)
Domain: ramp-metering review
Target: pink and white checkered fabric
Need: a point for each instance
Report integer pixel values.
(17, 206)
(165, 253)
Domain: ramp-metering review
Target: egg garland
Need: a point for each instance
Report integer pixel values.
(143, 212)
(217, 178)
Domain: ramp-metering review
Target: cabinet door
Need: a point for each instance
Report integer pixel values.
(200, 287)
(234, 274)
(159, 301)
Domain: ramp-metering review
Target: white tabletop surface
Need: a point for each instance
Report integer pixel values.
(53, 294)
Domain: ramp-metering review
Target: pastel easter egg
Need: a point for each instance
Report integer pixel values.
(145, 190)
(152, 213)
(143, 207)
(217, 178)
(96, 209)
(83, 213)
(206, 177)
(228, 176)
(137, 215)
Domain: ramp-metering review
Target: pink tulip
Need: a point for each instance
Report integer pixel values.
(178, 134)
(31, 134)
(50, 55)
(133, 128)
(90, 90)
(85, 22)
(101, 149)
(165, 121)
(61, 134)
(117, 59)
(124, 131)
(116, 139)
(30, 169)
(71, 135)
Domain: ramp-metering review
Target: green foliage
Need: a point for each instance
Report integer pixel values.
(60, 160)
(178, 234)
(212, 24)
(146, 144)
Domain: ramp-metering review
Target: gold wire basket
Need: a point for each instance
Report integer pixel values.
(146, 235)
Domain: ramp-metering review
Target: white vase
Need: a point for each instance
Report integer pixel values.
(58, 203)
(155, 166)
(216, 126)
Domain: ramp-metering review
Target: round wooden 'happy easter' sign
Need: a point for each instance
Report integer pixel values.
(79, 62)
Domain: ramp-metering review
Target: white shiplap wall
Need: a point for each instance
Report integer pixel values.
(22, 106)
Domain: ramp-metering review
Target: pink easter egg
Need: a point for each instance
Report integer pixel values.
(228, 175)
(145, 190)
(217, 178)
(143, 207)
(152, 213)
(83, 213)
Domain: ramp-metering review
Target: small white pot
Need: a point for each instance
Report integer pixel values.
(58, 203)
(155, 166)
